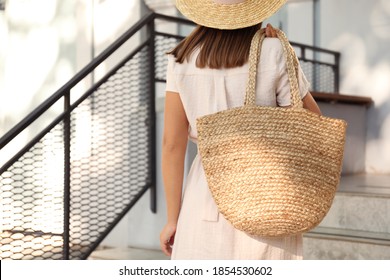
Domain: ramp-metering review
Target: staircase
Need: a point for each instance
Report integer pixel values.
(356, 228)
(358, 224)
(67, 188)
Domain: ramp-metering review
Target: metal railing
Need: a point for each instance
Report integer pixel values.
(321, 66)
(67, 188)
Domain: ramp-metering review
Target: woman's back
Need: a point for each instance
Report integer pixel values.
(205, 91)
(207, 72)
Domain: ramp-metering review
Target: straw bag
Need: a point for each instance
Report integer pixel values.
(272, 171)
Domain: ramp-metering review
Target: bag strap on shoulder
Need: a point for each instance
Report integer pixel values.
(291, 63)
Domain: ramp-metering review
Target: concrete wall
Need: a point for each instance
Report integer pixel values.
(360, 30)
(38, 54)
(355, 144)
(44, 43)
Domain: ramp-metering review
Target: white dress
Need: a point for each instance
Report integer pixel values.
(202, 232)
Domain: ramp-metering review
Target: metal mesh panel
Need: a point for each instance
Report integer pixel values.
(110, 157)
(321, 76)
(162, 45)
(110, 164)
(32, 202)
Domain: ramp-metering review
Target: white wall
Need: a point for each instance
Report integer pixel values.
(44, 43)
(355, 143)
(298, 22)
(37, 55)
(360, 30)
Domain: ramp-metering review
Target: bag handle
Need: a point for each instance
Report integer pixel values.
(291, 63)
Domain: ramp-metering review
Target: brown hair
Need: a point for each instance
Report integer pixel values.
(218, 48)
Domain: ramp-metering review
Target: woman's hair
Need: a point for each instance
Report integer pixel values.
(218, 48)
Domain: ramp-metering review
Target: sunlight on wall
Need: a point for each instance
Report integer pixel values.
(43, 43)
(51, 216)
(30, 61)
(111, 16)
(33, 65)
(82, 128)
(111, 19)
(365, 68)
(31, 55)
(28, 12)
(360, 77)
(3, 48)
(378, 150)
(39, 54)
(380, 19)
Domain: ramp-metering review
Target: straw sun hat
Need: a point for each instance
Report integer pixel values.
(228, 14)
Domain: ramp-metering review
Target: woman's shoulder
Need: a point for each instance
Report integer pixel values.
(272, 44)
(187, 67)
(191, 60)
(271, 54)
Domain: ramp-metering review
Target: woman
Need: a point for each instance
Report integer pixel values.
(207, 72)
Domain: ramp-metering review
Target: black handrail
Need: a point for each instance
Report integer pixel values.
(335, 66)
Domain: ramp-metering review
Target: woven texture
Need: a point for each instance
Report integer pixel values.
(228, 16)
(272, 171)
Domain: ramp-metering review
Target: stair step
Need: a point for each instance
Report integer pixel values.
(362, 203)
(318, 245)
(127, 254)
(340, 244)
(377, 238)
(356, 227)
(369, 185)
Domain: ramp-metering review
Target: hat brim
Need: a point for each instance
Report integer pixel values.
(232, 16)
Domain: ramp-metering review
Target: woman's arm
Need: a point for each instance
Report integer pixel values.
(310, 104)
(174, 146)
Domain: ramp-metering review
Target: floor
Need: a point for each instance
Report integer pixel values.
(127, 254)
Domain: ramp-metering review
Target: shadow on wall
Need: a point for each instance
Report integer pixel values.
(365, 68)
(39, 56)
(33, 56)
(47, 42)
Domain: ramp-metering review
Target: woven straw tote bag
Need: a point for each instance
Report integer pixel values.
(272, 171)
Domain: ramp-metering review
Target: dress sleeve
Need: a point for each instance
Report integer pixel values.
(283, 97)
(170, 77)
